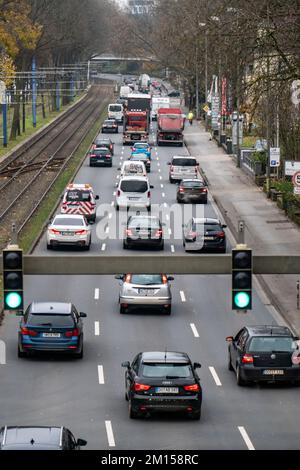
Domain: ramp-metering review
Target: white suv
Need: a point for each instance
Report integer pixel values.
(183, 167)
(133, 191)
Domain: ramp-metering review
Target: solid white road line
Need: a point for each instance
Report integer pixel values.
(215, 376)
(97, 294)
(110, 434)
(194, 330)
(246, 438)
(183, 299)
(173, 248)
(97, 328)
(103, 247)
(100, 375)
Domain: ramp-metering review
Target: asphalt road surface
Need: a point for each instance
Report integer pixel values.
(88, 395)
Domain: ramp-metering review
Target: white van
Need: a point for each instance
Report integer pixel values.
(130, 168)
(133, 191)
(115, 111)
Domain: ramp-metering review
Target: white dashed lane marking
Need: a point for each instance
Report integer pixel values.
(172, 248)
(246, 438)
(110, 434)
(100, 375)
(97, 328)
(183, 299)
(215, 376)
(194, 330)
(97, 294)
(103, 247)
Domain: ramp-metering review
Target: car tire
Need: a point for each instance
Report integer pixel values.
(126, 396)
(162, 247)
(196, 415)
(168, 310)
(149, 208)
(117, 207)
(171, 180)
(79, 355)
(240, 382)
(132, 414)
(49, 246)
(21, 353)
(229, 362)
(122, 310)
(125, 246)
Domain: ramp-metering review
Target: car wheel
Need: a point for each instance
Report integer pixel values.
(149, 208)
(162, 246)
(168, 310)
(126, 396)
(229, 362)
(125, 246)
(196, 415)
(132, 414)
(87, 247)
(171, 180)
(117, 207)
(122, 310)
(49, 247)
(79, 355)
(21, 353)
(183, 243)
(240, 382)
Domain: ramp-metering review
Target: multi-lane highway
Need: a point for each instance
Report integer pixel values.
(88, 395)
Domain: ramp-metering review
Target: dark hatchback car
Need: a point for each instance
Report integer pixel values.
(141, 157)
(100, 157)
(110, 125)
(143, 231)
(264, 354)
(204, 234)
(192, 191)
(38, 438)
(162, 381)
(101, 141)
(51, 327)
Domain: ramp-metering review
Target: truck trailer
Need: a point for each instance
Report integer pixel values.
(170, 126)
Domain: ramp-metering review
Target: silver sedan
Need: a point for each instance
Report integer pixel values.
(72, 230)
(150, 291)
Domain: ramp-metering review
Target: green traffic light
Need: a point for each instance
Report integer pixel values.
(241, 299)
(13, 300)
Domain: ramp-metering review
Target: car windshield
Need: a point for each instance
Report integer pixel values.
(146, 279)
(207, 228)
(166, 370)
(109, 122)
(115, 108)
(66, 221)
(143, 223)
(76, 195)
(141, 146)
(139, 156)
(272, 343)
(133, 186)
(50, 320)
(192, 184)
(184, 162)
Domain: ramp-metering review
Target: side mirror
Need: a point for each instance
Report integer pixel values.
(224, 226)
(296, 338)
(197, 365)
(97, 198)
(229, 339)
(81, 442)
(119, 169)
(197, 163)
(169, 163)
(126, 364)
(170, 278)
(151, 186)
(82, 315)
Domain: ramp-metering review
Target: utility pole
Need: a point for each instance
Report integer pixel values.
(197, 81)
(268, 108)
(33, 69)
(206, 76)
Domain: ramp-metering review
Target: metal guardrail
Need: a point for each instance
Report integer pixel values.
(145, 264)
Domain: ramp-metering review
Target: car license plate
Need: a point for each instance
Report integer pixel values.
(166, 390)
(67, 234)
(146, 291)
(273, 372)
(208, 238)
(133, 199)
(51, 335)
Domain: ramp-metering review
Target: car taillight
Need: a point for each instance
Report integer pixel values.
(192, 388)
(203, 190)
(247, 359)
(53, 231)
(71, 333)
(92, 155)
(141, 387)
(181, 189)
(158, 233)
(110, 147)
(164, 279)
(118, 193)
(27, 332)
(81, 232)
(171, 168)
(129, 232)
(107, 156)
(220, 234)
(128, 278)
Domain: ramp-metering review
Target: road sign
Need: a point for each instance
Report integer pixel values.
(2, 92)
(274, 157)
(296, 179)
(296, 190)
(206, 108)
(215, 111)
(290, 167)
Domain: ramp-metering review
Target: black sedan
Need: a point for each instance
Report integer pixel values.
(141, 157)
(110, 125)
(204, 234)
(143, 231)
(162, 381)
(101, 141)
(264, 354)
(100, 157)
(51, 327)
(192, 191)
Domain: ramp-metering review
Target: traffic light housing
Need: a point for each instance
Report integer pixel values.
(242, 278)
(13, 278)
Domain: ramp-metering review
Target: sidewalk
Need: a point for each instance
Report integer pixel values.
(268, 230)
